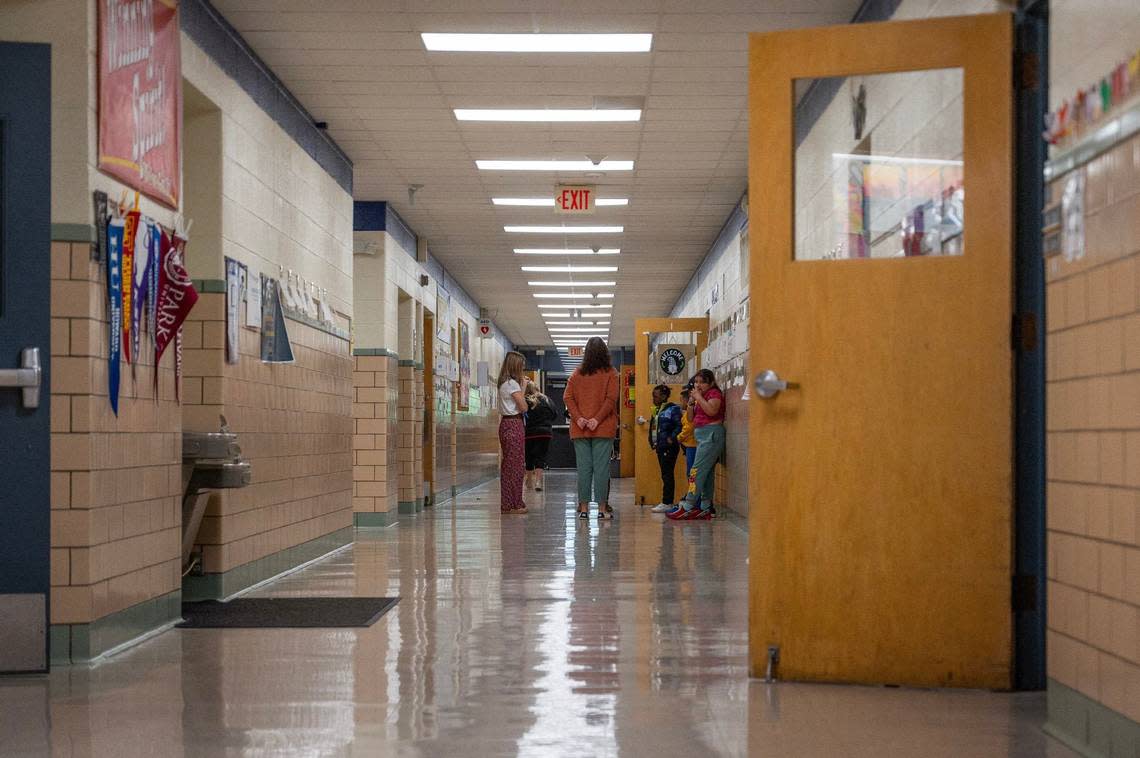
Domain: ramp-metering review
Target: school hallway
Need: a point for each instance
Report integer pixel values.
(514, 635)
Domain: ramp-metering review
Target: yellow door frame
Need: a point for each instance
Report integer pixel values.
(647, 474)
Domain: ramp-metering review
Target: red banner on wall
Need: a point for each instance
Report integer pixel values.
(140, 96)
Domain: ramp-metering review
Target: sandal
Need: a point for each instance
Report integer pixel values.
(605, 511)
(583, 511)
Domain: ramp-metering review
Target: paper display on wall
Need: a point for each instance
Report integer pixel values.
(252, 305)
(275, 347)
(236, 275)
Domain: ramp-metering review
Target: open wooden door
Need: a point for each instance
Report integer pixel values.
(693, 331)
(881, 485)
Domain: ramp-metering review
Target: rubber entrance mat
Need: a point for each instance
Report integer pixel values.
(285, 612)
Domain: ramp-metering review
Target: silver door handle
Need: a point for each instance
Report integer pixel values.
(27, 378)
(769, 384)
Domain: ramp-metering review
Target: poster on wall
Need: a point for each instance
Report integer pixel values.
(275, 346)
(442, 316)
(236, 274)
(462, 402)
(140, 96)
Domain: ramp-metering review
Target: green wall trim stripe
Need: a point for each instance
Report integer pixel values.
(227, 583)
(72, 233)
(376, 351)
(81, 643)
(404, 363)
(374, 519)
(210, 286)
(1089, 727)
(407, 506)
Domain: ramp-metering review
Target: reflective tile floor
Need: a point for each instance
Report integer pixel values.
(535, 635)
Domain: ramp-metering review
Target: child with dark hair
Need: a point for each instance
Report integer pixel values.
(664, 426)
(707, 414)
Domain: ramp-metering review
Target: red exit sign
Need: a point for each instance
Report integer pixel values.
(576, 199)
(575, 352)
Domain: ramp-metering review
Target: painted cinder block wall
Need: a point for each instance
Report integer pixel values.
(116, 481)
(390, 399)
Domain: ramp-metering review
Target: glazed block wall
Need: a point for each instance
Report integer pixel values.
(116, 482)
(374, 418)
(294, 425)
(390, 304)
(1093, 422)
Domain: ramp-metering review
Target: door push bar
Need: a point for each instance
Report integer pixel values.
(27, 378)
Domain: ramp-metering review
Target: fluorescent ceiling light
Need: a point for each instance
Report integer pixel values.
(548, 202)
(872, 159)
(537, 43)
(601, 332)
(556, 315)
(564, 229)
(568, 115)
(572, 284)
(569, 269)
(571, 296)
(557, 165)
(564, 306)
(566, 251)
(576, 323)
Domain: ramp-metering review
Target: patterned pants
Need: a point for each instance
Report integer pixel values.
(512, 439)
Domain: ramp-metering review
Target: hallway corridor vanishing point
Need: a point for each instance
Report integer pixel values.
(537, 635)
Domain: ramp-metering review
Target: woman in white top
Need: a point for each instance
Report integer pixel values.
(512, 432)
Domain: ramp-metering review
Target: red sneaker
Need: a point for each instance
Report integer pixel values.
(703, 515)
(680, 514)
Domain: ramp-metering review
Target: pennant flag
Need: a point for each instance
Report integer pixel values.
(176, 296)
(125, 282)
(140, 282)
(116, 229)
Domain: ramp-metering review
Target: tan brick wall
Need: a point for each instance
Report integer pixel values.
(115, 483)
(373, 479)
(409, 452)
(294, 425)
(1093, 423)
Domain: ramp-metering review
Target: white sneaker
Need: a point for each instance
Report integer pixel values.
(662, 507)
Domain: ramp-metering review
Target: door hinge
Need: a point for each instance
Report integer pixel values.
(1023, 332)
(1029, 71)
(1024, 593)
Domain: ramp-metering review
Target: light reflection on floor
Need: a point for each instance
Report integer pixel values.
(526, 635)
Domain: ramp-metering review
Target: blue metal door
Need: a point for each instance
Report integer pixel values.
(25, 329)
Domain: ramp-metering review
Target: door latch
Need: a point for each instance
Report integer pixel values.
(27, 378)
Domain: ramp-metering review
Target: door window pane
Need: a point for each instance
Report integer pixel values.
(878, 166)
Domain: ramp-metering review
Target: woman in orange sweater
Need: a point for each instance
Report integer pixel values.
(591, 397)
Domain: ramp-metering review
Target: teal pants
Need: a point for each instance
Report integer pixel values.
(702, 476)
(592, 455)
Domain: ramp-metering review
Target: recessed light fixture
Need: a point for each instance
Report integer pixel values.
(569, 115)
(572, 296)
(576, 323)
(572, 284)
(567, 251)
(548, 202)
(557, 165)
(564, 306)
(587, 330)
(459, 42)
(564, 229)
(569, 269)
